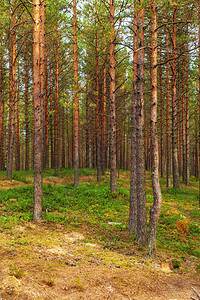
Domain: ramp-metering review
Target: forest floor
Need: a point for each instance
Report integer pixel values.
(82, 249)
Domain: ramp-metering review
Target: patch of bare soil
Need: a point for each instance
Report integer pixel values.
(41, 261)
(66, 180)
(6, 184)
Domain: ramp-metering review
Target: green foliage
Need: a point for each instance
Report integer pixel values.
(176, 264)
(105, 214)
(16, 271)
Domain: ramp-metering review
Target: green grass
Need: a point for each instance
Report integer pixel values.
(95, 209)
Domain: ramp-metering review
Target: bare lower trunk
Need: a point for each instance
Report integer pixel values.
(56, 149)
(17, 140)
(37, 209)
(133, 187)
(87, 127)
(140, 168)
(161, 120)
(26, 111)
(168, 150)
(63, 138)
(183, 126)
(2, 129)
(174, 107)
(187, 136)
(155, 209)
(12, 62)
(76, 100)
(97, 102)
(113, 167)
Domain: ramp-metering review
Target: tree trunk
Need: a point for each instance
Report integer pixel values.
(76, 100)
(174, 107)
(199, 103)
(113, 174)
(46, 120)
(12, 62)
(63, 137)
(104, 122)
(87, 126)
(17, 140)
(56, 148)
(42, 76)
(155, 209)
(98, 132)
(2, 128)
(140, 168)
(161, 119)
(187, 136)
(26, 96)
(168, 150)
(133, 179)
(183, 125)
(37, 209)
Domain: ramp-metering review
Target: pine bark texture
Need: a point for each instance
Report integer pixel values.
(37, 209)
(140, 157)
(174, 107)
(133, 185)
(26, 96)
(76, 100)
(98, 131)
(17, 137)
(113, 163)
(12, 63)
(2, 126)
(168, 146)
(56, 147)
(187, 136)
(155, 209)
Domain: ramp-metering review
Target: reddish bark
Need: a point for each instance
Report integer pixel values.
(76, 100)
(26, 96)
(113, 168)
(37, 209)
(12, 63)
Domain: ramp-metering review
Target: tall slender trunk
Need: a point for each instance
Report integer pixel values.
(174, 107)
(76, 100)
(168, 150)
(43, 75)
(196, 161)
(113, 170)
(17, 140)
(2, 129)
(56, 149)
(187, 136)
(199, 103)
(12, 62)
(98, 131)
(87, 126)
(46, 119)
(133, 179)
(183, 124)
(104, 122)
(161, 119)
(155, 209)
(124, 133)
(51, 122)
(140, 167)
(37, 209)
(63, 137)
(26, 96)
(68, 142)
